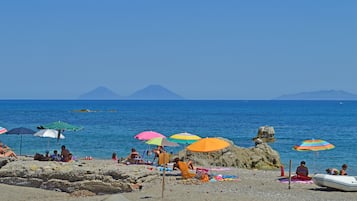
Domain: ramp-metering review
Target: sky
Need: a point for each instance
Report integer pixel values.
(254, 50)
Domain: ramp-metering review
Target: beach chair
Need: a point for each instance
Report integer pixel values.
(185, 172)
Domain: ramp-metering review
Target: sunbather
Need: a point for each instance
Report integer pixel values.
(5, 151)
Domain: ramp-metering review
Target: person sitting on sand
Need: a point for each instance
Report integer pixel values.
(70, 158)
(5, 151)
(114, 156)
(343, 170)
(55, 156)
(134, 157)
(302, 170)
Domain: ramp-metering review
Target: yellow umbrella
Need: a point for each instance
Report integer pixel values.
(184, 138)
(208, 145)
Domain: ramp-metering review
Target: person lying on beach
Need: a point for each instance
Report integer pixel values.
(332, 171)
(343, 170)
(5, 151)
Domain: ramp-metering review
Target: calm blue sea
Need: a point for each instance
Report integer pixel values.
(113, 126)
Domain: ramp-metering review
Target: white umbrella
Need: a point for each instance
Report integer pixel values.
(49, 133)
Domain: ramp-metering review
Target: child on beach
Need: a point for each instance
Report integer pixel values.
(55, 156)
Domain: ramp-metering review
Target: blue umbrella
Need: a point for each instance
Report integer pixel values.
(20, 131)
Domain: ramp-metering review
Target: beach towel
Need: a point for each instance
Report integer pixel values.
(185, 172)
(220, 169)
(296, 180)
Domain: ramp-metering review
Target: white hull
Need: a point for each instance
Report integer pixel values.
(343, 183)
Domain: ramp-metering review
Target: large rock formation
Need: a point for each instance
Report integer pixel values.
(97, 176)
(262, 156)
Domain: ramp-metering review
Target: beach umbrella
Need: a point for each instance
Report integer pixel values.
(314, 145)
(208, 145)
(20, 131)
(2, 130)
(49, 133)
(61, 126)
(184, 138)
(147, 135)
(161, 141)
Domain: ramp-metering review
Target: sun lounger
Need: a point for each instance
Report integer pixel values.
(186, 174)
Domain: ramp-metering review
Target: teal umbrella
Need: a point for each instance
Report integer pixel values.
(61, 126)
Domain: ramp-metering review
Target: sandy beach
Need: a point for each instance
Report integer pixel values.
(252, 185)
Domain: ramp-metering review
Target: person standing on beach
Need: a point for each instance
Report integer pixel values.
(64, 154)
(343, 170)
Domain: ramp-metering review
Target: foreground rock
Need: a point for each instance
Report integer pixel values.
(91, 176)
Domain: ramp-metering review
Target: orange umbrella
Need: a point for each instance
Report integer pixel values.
(208, 145)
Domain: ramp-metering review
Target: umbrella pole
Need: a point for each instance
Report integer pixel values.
(20, 144)
(289, 174)
(163, 177)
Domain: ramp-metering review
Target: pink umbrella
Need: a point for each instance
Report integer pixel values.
(2, 130)
(147, 135)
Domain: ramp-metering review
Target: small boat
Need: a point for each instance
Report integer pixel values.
(343, 183)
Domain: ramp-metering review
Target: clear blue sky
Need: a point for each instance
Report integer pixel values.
(198, 49)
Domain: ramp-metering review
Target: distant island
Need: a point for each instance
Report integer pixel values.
(157, 92)
(151, 92)
(100, 93)
(320, 95)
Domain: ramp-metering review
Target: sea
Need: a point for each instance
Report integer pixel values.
(111, 125)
